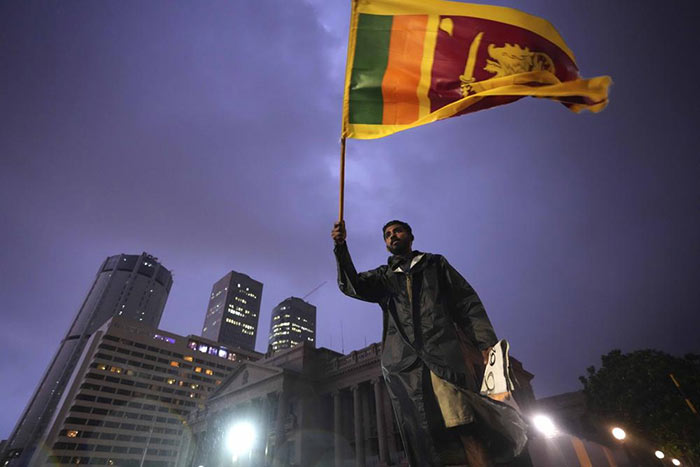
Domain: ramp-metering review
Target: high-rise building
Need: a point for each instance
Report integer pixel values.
(233, 311)
(130, 395)
(293, 321)
(131, 286)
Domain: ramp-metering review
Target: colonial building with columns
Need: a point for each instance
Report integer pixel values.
(309, 407)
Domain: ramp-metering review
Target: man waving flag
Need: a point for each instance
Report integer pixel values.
(412, 62)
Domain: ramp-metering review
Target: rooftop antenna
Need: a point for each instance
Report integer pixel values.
(342, 338)
(314, 289)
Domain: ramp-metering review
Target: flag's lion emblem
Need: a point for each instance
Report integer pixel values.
(507, 60)
(513, 59)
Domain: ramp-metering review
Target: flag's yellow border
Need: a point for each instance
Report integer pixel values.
(445, 8)
(352, 40)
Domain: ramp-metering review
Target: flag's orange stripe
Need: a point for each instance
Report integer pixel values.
(400, 83)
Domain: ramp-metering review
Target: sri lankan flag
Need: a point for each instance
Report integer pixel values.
(412, 62)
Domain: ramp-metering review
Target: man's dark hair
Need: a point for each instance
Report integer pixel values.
(401, 223)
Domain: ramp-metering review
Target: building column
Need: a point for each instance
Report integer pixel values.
(218, 448)
(337, 428)
(279, 428)
(366, 420)
(381, 422)
(262, 413)
(359, 428)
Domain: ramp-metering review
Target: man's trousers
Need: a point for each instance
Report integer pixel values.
(419, 415)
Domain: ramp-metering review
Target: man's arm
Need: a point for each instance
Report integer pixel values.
(469, 312)
(363, 286)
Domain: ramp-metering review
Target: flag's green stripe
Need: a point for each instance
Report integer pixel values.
(369, 65)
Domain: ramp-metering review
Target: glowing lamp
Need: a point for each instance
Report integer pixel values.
(619, 433)
(545, 425)
(240, 439)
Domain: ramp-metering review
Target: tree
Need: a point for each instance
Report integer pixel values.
(635, 391)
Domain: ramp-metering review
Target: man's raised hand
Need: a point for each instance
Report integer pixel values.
(338, 233)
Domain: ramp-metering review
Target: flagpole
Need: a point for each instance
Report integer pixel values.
(342, 178)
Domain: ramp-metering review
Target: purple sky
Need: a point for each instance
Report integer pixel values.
(206, 133)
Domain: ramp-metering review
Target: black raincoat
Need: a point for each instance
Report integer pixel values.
(431, 316)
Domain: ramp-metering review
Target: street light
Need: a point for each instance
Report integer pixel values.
(675, 462)
(659, 454)
(619, 433)
(545, 425)
(240, 439)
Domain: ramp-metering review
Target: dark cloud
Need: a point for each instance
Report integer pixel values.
(206, 134)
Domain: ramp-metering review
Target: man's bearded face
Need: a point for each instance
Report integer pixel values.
(398, 240)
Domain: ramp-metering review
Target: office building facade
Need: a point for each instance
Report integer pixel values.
(313, 407)
(131, 286)
(234, 311)
(293, 322)
(309, 407)
(130, 395)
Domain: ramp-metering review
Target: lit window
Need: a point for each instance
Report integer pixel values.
(174, 363)
(198, 369)
(208, 371)
(188, 358)
(72, 433)
(167, 339)
(101, 366)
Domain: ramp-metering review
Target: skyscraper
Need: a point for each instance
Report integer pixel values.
(293, 321)
(132, 286)
(130, 394)
(233, 311)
